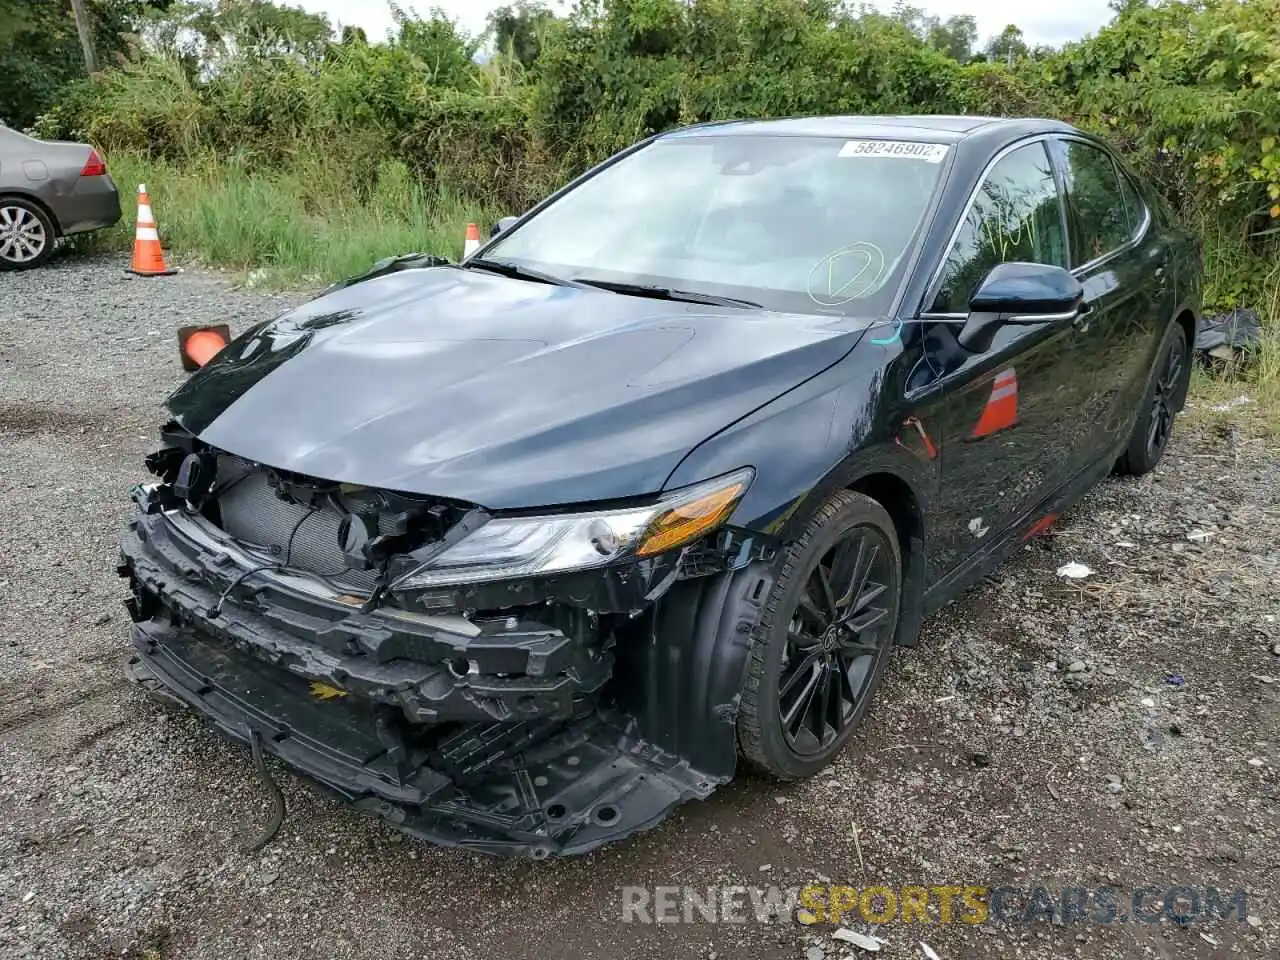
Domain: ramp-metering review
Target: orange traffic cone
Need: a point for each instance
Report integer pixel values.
(148, 258)
(197, 345)
(1001, 411)
(472, 243)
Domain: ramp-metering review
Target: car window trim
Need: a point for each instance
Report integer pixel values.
(1137, 236)
(935, 279)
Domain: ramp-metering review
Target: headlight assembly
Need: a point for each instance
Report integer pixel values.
(509, 547)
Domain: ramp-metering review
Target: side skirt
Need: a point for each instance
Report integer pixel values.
(980, 564)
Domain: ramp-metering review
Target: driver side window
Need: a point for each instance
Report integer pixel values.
(1016, 216)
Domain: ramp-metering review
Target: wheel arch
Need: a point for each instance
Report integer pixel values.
(902, 483)
(687, 663)
(10, 194)
(895, 493)
(1187, 319)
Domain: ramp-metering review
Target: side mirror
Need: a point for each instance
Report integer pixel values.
(502, 225)
(1019, 293)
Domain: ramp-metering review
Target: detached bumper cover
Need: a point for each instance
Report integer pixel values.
(504, 737)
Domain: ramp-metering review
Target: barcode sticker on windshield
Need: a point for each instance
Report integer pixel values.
(904, 149)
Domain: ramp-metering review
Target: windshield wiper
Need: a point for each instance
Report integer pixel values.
(668, 293)
(505, 269)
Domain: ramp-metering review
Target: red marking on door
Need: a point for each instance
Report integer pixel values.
(1001, 411)
(1041, 525)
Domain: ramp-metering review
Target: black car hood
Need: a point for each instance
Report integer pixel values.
(502, 392)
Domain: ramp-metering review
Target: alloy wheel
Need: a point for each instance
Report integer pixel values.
(833, 639)
(22, 235)
(1164, 398)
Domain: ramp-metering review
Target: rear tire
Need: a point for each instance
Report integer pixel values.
(823, 640)
(1165, 395)
(26, 234)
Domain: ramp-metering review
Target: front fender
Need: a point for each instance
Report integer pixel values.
(825, 435)
(839, 431)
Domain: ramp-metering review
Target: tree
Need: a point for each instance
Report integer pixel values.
(85, 32)
(517, 29)
(1008, 46)
(439, 46)
(259, 28)
(41, 49)
(913, 18)
(15, 16)
(957, 36)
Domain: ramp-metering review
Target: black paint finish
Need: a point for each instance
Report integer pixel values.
(500, 391)
(519, 395)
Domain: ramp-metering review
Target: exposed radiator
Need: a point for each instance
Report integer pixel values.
(254, 515)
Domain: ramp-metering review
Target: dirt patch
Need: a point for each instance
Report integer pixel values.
(33, 419)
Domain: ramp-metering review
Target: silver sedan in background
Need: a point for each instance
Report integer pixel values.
(49, 190)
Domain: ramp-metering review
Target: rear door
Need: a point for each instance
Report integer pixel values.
(1121, 261)
(999, 416)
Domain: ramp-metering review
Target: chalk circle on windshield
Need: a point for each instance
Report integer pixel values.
(847, 274)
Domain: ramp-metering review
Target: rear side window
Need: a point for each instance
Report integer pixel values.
(1016, 216)
(1100, 218)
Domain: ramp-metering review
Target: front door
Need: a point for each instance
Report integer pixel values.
(998, 416)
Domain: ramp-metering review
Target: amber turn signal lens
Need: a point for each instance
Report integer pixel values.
(688, 521)
(198, 345)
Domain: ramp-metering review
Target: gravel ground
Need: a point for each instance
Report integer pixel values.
(1034, 737)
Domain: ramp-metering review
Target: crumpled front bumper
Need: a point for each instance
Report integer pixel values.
(531, 788)
(433, 668)
(527, 751)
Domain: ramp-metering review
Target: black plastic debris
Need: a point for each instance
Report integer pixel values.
(1232, 336)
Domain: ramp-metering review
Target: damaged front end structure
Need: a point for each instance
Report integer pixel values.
(520, 685)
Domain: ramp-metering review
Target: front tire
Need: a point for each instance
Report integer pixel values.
(823, 640)
(26, 235)
(1165, 395)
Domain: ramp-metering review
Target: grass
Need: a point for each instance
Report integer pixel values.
(1244, 398)
(1247, 398)
(306, 225)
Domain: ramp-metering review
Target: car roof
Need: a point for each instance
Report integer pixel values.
(924, 128)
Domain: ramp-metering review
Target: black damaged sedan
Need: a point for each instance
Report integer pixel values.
(522, 552)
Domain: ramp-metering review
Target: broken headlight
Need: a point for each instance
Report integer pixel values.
(508, 547)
